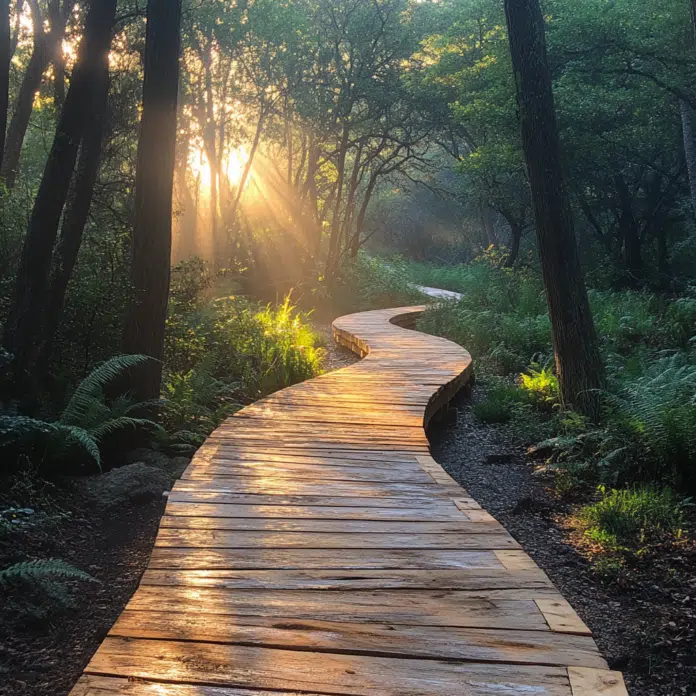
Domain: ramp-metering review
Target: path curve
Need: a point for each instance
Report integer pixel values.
(313, 546)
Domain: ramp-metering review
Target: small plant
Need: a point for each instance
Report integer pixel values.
(541, 384)
(85, 422)
(633, 516)
(38, 588)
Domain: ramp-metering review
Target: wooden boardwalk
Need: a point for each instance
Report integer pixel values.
(313, 546)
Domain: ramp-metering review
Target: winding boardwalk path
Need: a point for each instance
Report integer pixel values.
(313, 546)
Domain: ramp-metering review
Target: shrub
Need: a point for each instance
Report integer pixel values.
(222, 353)
(658, 410)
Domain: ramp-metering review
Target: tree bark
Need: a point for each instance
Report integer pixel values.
(689, 133)
(76, 214)
(58, 58)
(5, 57)
(23, 326)
(515, 241)
(152, 232)
(578, 362)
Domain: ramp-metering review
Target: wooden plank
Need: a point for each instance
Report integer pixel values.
(561, 617)
(441, 513)
(472, 578)
(286, 670)
(90, 685)
(298, 499)
(386, 640)
(294, 559)
(331, 525)
(586, 681)
(223, 539)
(505, 609)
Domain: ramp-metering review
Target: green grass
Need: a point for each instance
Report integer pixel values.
(633, 516)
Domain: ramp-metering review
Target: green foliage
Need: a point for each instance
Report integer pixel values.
(371, 283)
(541, 384)
(221, 353)
(633, 516)
(40, 571)
(659, 410)
(86, 422)
(38, 589)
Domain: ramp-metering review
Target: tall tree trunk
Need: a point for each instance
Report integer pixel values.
(332, 256)
(45, 44)
(152, 232)
(689, 133)
(578, 361)
(248, 165)
(515, 241)
(360, 222)
(630, 234)
(54, 11)
(5, 57)
(76, 214)
(23, 325)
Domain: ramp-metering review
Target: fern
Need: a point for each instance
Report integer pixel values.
(40, 571)
(114, 425)
(90, 390)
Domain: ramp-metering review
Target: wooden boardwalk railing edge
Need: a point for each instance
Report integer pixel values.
(313, 546)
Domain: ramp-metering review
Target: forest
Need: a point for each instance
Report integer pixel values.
(192, 190)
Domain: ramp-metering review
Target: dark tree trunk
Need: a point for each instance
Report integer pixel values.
(76, 214)
(515, 240)
(360, 222)
(45, 46)
(332, 256)
(58, 57)
(578, 361)
(628, 229)
(689, 133)
(5, 56)
(23, 326)
(152, 233)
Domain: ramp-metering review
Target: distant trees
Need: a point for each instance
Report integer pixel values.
(152, 239)
(578, 361)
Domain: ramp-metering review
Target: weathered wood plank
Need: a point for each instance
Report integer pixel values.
(380, 527)
(505, 609)
(327, 559)
(223, 539)
(286, 670)
(472, 578)
(386, 640)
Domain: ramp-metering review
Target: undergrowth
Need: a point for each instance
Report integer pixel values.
(644, 449)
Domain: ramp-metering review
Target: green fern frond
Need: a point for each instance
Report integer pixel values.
(41, 570)
(93, 385)
(82, 438)
(114, 425)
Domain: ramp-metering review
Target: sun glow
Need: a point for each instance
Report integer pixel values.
(233, 166)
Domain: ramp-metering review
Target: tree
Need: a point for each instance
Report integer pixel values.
(578, 362)
(76, 212)
(152, 231)
(5, 51)
(24, 322)
(46, 44)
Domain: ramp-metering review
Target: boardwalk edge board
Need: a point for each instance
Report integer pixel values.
(313, 546)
